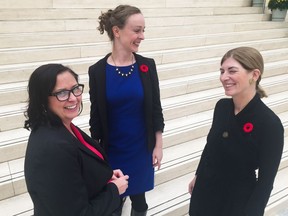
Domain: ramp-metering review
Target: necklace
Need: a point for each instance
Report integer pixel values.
(124, 74)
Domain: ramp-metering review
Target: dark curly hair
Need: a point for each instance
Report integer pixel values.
(41, 83)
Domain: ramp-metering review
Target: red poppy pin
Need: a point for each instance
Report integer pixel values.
(248, 127)
(144, 68)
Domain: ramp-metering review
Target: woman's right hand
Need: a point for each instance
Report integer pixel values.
(121, 181)
(192, 184)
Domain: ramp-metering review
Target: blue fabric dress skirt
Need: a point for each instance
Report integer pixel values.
(127, 146)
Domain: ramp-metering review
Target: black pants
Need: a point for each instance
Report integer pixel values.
(139, 202)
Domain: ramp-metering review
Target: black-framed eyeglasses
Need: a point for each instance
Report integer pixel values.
(64, 95)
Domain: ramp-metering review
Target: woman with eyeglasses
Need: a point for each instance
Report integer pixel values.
(66, 171)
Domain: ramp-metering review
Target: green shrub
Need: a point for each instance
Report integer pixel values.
(278, 4)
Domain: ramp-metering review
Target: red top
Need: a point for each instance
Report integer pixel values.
(81, 139)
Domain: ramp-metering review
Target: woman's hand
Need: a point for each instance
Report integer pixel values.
(192, 184)
(117, 173)
(120, 180)
(157, 157)
(157, 154)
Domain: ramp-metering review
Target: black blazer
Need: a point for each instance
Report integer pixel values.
(64, 177)
(233, 157)
(98, 112)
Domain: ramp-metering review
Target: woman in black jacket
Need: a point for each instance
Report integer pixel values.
(126, 114)
(245, 136)
(66, 171)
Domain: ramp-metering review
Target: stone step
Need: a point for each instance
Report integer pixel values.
(197, 53)
(188, 84)
(178, 205)
(6, 4)
(179, 160)
(10, 72)
(189, 89)
(207, 3)
(57, 53)
(186, 128)
(12, 180)
(173, 107)
(186, 89)
(91, 35)
(199, 29)
(93, 13)
(166, 71)
(191, 20)
(278, 207)
(172, 206)
(55, 25)
(21, 72)
(20, 205)
(181, 130)
(183, 158)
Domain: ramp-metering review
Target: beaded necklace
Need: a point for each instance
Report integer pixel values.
(124, 74)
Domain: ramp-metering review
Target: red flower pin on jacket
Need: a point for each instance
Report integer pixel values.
(144, 68)
(248, 127)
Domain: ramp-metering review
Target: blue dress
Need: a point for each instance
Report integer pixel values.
(127, 144)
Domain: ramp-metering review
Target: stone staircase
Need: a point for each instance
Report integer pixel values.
(187, 40)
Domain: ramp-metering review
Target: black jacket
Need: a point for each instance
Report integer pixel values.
(98, 112)
(64, 177)
(233, 152)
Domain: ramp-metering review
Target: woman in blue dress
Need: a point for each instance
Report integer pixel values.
(126, 114)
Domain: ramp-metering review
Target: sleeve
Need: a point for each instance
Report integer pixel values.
(55, 181)
(202, 160)
(271, 147)
(158, 119)
(94, 120)
(205, 151)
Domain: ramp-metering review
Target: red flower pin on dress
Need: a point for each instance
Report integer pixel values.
(144, 68)
(248, 127)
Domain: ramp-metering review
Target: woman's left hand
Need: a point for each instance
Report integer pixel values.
(158, 150)
(117, 173)
(157, 157)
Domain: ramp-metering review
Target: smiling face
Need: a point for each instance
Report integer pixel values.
(235, 79)
(69, 109)
(131, 35)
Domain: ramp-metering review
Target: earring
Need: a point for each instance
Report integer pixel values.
(251, 81)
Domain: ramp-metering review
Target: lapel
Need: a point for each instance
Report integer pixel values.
(145, 79)
(92, 143)
(100, 82)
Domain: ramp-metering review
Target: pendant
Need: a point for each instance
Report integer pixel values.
(225, 134)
